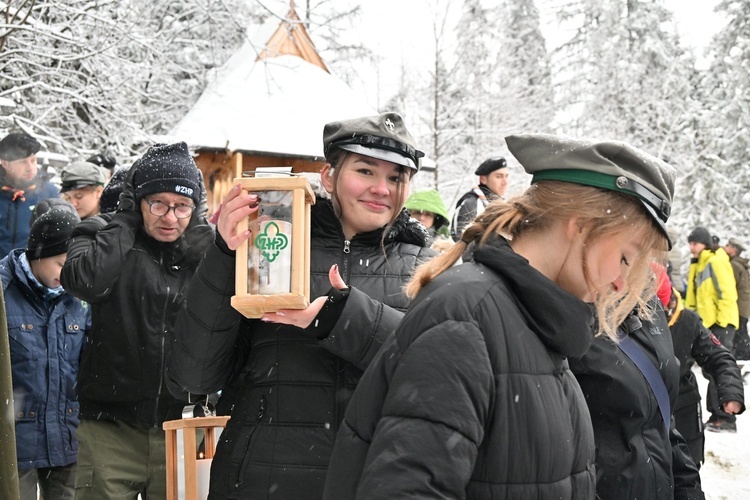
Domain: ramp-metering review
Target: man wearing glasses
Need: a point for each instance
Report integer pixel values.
(132, 267)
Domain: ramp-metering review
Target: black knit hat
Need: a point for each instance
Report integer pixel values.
(167, 168)
(18, 145)
(45, 206)
(700, 235)
(490, 165)
(50, 234)
(111, 194)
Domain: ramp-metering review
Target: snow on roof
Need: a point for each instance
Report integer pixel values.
(277, 105)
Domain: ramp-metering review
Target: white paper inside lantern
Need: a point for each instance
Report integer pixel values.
(203, 466)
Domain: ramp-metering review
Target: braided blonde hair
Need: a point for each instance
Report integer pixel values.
(545, 203)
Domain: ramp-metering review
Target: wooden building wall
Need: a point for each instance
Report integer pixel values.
(220, 169)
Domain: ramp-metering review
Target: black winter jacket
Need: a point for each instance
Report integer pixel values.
(694, 343)
(289, 389)
(636, 457)
(472, 397)
(467, 207)
(135, 285)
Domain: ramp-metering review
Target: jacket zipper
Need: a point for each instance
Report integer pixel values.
(261, 408)
(345, 261)
(163, 339)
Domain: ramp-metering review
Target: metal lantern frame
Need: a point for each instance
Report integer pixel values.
(256, 305)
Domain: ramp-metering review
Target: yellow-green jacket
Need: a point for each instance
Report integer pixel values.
(712, 292)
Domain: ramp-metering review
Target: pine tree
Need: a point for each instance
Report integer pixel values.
(719, 185)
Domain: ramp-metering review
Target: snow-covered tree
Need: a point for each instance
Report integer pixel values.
(625, 76)
(496, 81)
(87, 74)
(717, 188)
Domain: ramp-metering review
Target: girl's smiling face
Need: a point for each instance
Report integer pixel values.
(369, 192)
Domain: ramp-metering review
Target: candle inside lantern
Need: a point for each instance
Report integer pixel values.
(203, 474)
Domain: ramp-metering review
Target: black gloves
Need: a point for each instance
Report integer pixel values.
(127, 196)
(329, 314)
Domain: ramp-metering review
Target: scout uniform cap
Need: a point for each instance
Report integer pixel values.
(18, 145)
(384, 137)
(736, 244)
(490, 165)
(609, 165)
(80, 174)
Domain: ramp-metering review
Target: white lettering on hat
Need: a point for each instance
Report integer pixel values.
(184, 190)
(389, 125)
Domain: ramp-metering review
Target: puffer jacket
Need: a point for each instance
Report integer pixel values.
(636, 457)
(742, 278)
(472, 396)
(289, 387)
(135, 285)
(693, 343)
(711, 289)
(15, 210)
(47, 336)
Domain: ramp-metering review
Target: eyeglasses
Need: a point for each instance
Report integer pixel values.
(181, 211)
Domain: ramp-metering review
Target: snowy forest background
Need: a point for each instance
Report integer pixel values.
(94, 75)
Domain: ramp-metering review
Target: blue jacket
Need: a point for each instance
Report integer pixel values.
(15, 215)
(46, 340)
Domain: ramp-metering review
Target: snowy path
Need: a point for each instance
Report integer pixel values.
(726, 473)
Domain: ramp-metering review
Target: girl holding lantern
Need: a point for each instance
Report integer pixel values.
(286, 378)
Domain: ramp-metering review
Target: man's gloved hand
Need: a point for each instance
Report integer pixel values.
(127, 196)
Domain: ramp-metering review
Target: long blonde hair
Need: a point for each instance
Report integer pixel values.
(603, 212)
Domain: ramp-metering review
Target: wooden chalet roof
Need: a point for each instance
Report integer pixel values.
(291, 38)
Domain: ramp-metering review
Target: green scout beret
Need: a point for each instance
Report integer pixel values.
(384, 137)
(80, 174)
(609, 165)
(18, 145)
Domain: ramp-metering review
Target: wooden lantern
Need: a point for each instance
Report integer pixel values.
(273, 265)
(196, 469)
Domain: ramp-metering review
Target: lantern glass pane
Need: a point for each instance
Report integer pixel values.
(269, 261)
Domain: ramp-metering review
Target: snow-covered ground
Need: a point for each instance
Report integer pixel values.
(726, 473)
